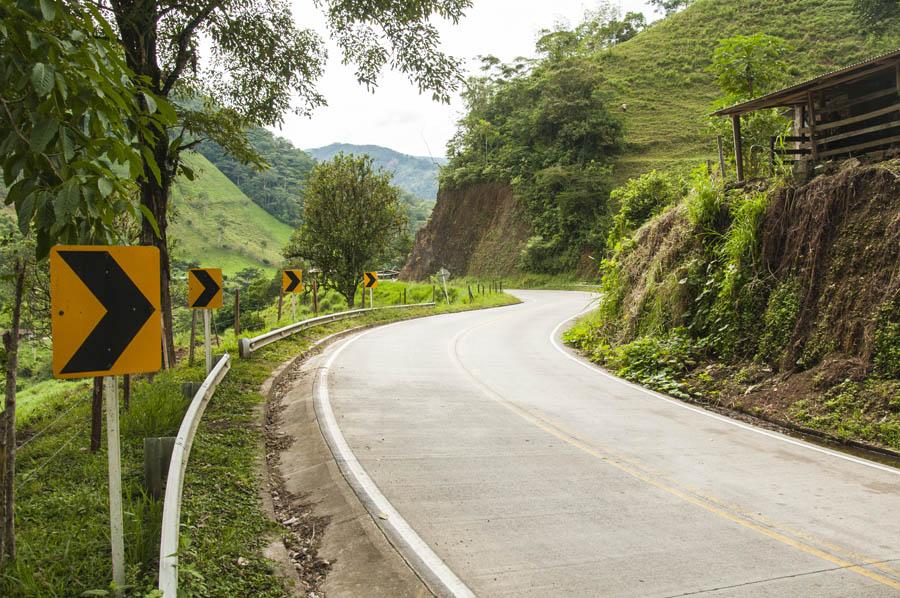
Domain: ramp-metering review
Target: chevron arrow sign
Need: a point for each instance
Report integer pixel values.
(370, 280)
(105, 310)
(205, 288)
(291, 281)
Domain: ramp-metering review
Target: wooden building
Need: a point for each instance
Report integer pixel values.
(848, 112)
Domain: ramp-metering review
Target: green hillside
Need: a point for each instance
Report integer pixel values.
(279, 188)
(661, 74)
(415, 175)
(216, 225)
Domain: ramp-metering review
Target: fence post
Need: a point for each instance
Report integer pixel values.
(721, 157)
(280, 302)
(126, 391)
(471, 296)
(193, 337)
(237, 313)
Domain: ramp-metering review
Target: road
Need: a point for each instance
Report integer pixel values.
(518, 469)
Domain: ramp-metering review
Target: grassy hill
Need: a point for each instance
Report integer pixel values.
(661, 74)
(413, 174)
(216, 225)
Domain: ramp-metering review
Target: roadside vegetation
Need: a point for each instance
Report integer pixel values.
(62, 505)
(714, 300)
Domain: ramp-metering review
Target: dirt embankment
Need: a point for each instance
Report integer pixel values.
(477, 230)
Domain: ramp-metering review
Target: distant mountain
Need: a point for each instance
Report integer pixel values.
(414, 174)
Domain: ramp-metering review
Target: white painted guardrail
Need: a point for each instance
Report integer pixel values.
(247, 346)
(171, 519)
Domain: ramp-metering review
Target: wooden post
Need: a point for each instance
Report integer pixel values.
(193, 337)
(126, 391)
(721, 157)
(293, 307)
(811, 122)
(207, 340)
(404, 296)
(738, 146)
(237, 313)
(165, 347)
(471, 296)
(280, 302)
(116, 525)
(315, 297)
(772, 154)
(96, 414)
(433, 294)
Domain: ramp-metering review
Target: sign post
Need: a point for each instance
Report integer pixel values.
(370, 281)
(444, 274)
(205, 292)
(105, 320)
(116, 521)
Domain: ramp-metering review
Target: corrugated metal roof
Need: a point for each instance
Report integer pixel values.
(781, 97)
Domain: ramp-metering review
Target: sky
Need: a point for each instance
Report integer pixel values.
(396, 115)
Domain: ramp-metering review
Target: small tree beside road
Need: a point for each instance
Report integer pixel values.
(352, 215)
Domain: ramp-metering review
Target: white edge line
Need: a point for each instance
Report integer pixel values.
(716, 416)
(372, 498)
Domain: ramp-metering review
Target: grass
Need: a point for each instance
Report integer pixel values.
(661, 74)
(62, 520)
(217, 225)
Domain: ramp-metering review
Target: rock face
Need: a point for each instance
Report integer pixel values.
(476, 230)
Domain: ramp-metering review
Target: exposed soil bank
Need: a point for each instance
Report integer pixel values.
(477, 230)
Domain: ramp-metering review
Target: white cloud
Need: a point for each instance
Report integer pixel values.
(396, 115)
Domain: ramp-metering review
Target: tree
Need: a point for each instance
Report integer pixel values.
(670, 6)
(749, 65)
(69, 113)
(745, 67)
(872, 14)
(258, 65)
(351, 218)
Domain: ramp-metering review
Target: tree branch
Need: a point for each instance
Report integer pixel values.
(184, 38)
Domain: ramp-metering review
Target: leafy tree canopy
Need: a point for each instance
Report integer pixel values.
(352, 217)
(746, 66)
(69, 110)
(545, 127)
(874, 13)
(670, 6)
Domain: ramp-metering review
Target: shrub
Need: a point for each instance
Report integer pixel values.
(642, 198)
(778, 320)
(886, 354)
(657, 362)
(707, 208)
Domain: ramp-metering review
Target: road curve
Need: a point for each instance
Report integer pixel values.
(525, 471)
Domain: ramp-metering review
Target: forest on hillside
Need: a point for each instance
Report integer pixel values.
(612, 97)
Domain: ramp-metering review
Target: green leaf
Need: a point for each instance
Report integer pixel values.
(48, 9)
(104, 186)
(187, 172)
(41, 134)
(148, 215)
(67, 201)
(26, 212)
(151, 103)
(151, 163)
(42, 78)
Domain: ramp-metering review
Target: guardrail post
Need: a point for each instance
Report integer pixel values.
(157, 455)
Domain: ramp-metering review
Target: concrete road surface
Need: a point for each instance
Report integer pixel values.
(510, 467)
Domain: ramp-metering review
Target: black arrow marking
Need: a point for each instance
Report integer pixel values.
(295, 281)
(127, 310)
(210, 288)
(370, 280)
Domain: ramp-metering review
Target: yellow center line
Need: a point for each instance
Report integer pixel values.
(708, 504)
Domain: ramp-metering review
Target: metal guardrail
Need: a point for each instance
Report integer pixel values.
(246, 346)
(171, 519)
